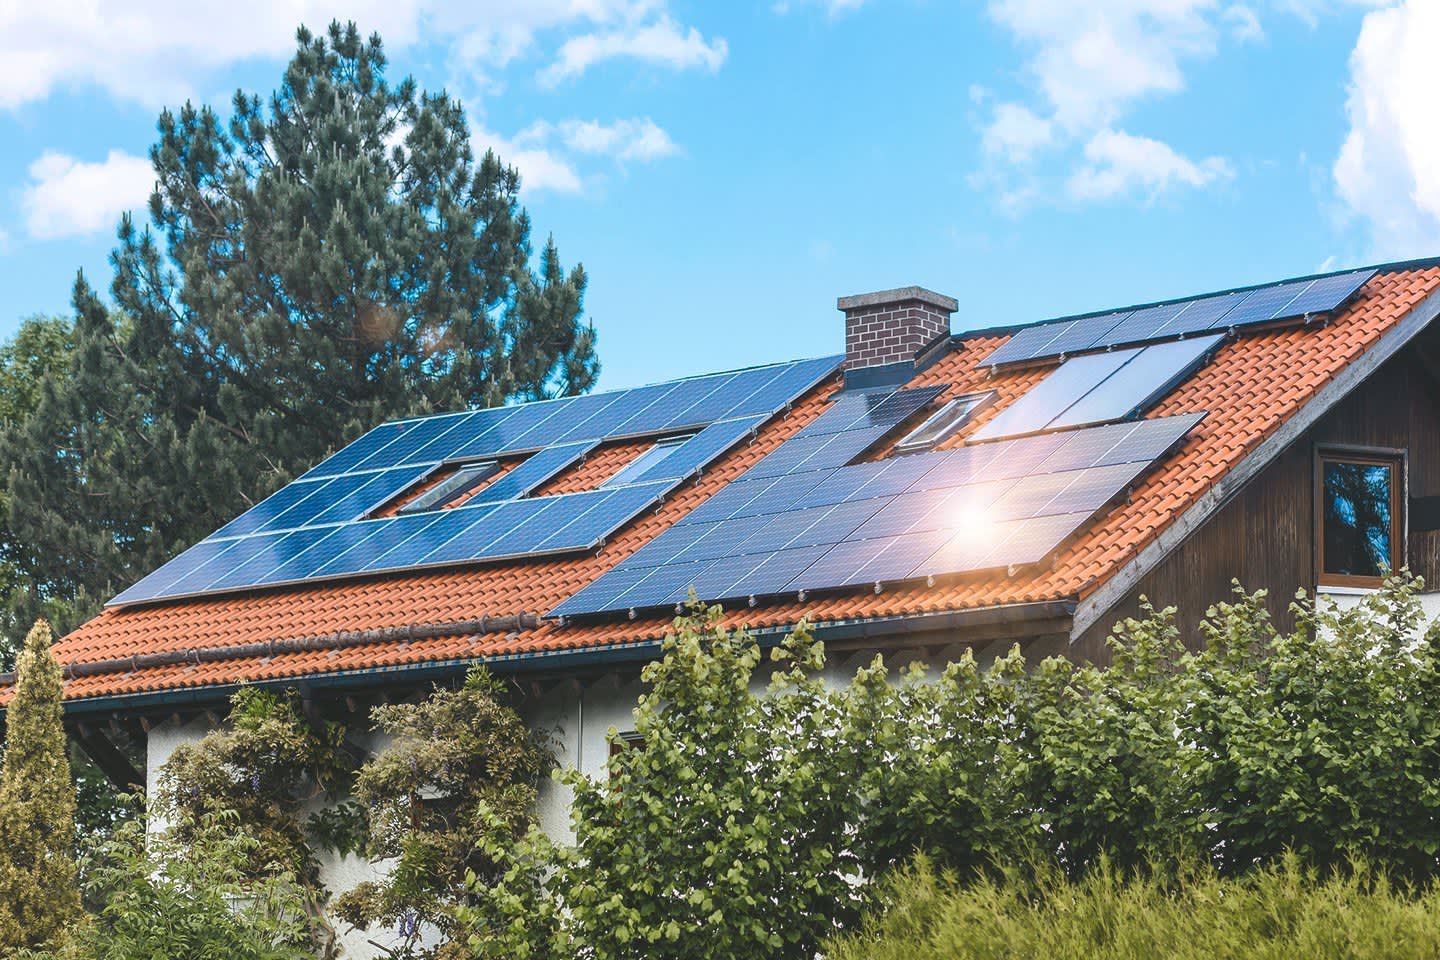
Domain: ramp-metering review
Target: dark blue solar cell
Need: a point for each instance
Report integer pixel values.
(414, 436)
(784, 493)
(897, 408)
(392, 532)
(274, 554)
(475, 540)
(601, 594)
(901, 556)
(344, 553)
(968, 549)
(717, 404)
(777, 570)
(901, 513)
(155, 584)
(200, 576)
(792, 381)
(1035, 540)
(606, 515)
(1029, 495)
(956, 467)
(1087, 332)
(660, 583)
(377, 490)
(787, 457)
(664, 547)
(688, 407)
(1328, 293)
(841, 522)
(840, 484)
(842, 448)
(722, 538)
(847, 410)
(539, 468)
(1149, 440)
(725, 501)
(1139, 384)
(899, 475)
(507, 435)
(1026, 344)
(445, 525)
(526, 536)
(697, 452)
(1202, 314)
(1051, 397)
(263, 514)
(1086, 448)
(1018, 457)
(715, 581)
(348, 458)
(1141, 325)
(583, 416)
(551, 418)
(839, 564)
(479, 435)
(1261, 305)
(779, 530)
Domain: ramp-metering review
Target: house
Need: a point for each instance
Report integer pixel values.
(919, 494)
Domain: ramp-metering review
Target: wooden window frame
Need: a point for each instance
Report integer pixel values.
(1398, 462)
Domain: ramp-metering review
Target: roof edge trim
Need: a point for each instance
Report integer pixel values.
(1118, 585)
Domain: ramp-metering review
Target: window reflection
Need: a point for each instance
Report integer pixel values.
(1358, 526)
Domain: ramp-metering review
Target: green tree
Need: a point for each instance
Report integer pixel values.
(331, 256)
(457, 780)
(38, 896)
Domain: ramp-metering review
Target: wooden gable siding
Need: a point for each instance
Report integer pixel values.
(1265, 536)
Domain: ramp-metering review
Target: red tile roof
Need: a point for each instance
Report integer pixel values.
(1252, 385)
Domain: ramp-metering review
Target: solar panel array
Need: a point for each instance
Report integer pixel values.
(807, 518)
(1100, 387)
(1180, 318)
(316, 528)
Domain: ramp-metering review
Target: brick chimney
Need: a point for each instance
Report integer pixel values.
(887, 331)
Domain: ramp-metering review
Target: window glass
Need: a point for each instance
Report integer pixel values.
(1358, 522)
(949, 418)
(452, 488)
(637, 467)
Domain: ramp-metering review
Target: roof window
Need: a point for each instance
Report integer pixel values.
(637, 468)
(944, 422)
(452, 488)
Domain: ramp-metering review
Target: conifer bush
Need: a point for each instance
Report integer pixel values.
(39, 900)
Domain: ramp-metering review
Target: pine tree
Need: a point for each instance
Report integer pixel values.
(327, 258)
(38, 896)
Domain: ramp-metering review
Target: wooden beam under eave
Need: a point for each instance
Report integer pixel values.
(110, 759)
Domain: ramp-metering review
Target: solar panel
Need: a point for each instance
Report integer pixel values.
(1052, 396)
(1140, 383)
(1237, 309)
(966, 512)
(330, 503)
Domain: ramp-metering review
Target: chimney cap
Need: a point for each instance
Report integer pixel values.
(898, 295)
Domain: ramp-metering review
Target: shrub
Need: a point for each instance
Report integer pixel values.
(38, 898)
(1186, 912)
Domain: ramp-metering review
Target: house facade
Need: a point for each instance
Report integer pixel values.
(919, 494)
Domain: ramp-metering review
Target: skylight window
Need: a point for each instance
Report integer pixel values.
(944, 422)
(637, 468)
(453, 487)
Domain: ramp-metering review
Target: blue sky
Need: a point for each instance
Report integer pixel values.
(726, 170)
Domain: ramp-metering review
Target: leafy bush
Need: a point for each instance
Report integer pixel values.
(194, 897)
(752, 824)
(458, 779)
(1191, 913)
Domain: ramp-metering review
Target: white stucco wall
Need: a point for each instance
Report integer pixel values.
(1344, 599)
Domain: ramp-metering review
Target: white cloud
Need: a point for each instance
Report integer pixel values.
(4, 241)
(663, 42)
(638, 139)
(1119, 163)
(1017, 132)
(67, 197)
(544, 152)
(1388, 171)
(1243, 23)
(833, 8)
(160, 51)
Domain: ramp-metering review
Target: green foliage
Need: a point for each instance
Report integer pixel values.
(38, 899)
(331, 256)
(752, 823)
(455, 787)
(725, 835)
(191, 895)
(264, 769)
(1283, 910)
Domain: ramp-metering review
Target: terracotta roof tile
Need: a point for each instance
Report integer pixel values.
(1251, 386)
